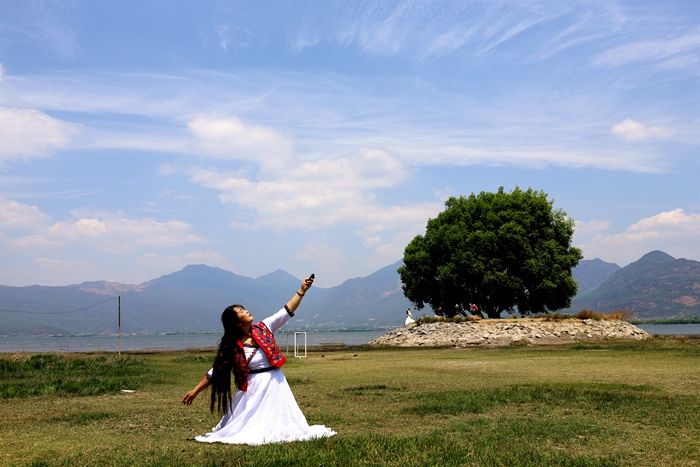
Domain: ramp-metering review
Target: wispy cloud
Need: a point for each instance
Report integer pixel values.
(302, 118)
(224, 40)
(44, 25)
(649, 50)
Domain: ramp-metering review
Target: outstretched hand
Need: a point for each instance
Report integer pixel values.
(189, 397)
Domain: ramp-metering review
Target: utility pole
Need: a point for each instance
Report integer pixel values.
(119, 324)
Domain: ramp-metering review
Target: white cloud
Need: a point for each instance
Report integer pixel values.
(319, 193)
(2, 72)
(231, 138)
(27, 133)
(330, 192)
(674, 232)
(120, 233)
(587, 229)
(32, 242)
(16, 215)
(672, 221)
(636, 131)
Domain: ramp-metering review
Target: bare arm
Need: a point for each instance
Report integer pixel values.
(294, 302)
(201, 386)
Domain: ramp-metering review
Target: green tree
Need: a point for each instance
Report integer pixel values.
(500, 250)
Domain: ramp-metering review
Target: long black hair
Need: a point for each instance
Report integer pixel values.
(225, 361)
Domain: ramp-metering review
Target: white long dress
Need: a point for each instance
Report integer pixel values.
(267, 412)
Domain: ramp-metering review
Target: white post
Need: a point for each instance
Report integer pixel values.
(297, 354)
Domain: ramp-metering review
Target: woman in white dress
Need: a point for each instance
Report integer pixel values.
(263, 409)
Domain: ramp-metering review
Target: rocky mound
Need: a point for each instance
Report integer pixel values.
(496, 333)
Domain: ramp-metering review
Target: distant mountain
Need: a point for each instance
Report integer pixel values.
(361, 303)
(193, 298)
(591, 273)
(655, 286)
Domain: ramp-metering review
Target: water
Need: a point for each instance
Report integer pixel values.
(188, 341)
(672, 329)
(169, 342)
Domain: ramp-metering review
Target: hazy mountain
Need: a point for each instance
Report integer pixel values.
(192, 300)
(361, 303)
(591, 273)
(655, 286)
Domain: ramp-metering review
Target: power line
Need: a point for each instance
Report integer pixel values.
(58, 312)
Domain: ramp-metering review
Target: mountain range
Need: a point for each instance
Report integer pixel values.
(655, 286)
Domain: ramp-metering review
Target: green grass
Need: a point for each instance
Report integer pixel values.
(601, 404)
(45, 374)
(82, 418)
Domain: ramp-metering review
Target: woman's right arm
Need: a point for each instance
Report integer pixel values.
(201, 386)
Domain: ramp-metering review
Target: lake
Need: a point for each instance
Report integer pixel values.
(169, 341)
(672, 329)
(187, 341)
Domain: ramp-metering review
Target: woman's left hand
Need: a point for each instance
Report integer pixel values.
(190, 397)
(306, 285)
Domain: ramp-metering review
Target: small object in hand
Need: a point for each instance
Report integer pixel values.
(312, 276)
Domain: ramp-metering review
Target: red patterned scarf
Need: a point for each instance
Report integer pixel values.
(264, 338)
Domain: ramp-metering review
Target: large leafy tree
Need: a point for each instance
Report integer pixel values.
(501, 251)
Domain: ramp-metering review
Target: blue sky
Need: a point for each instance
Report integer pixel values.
(317, 136)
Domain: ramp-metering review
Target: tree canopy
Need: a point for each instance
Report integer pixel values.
(501, 251)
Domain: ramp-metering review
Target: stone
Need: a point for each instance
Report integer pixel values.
(493, 333)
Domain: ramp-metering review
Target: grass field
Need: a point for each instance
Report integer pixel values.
(582, 405)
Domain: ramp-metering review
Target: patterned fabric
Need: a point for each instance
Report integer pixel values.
(266, 340)
(262, 336)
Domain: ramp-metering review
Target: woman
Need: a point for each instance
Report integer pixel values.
(263, 409)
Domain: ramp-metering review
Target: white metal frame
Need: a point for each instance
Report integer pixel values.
(298, 354)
